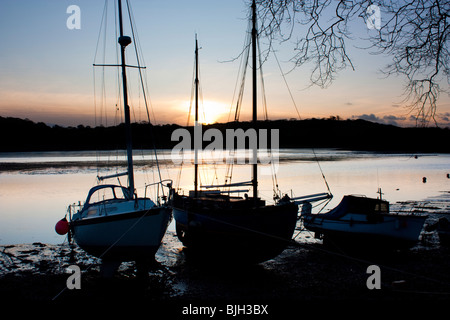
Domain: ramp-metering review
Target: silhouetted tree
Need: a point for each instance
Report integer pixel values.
(414, 33)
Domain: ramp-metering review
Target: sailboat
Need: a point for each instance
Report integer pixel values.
(114, 224)
(212, 224)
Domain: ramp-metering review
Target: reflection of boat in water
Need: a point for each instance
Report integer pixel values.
(114, 223)
(210, 221)
(359, 221)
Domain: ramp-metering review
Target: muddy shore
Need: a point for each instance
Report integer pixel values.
(306, 275)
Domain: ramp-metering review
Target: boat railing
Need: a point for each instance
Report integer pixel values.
(228, 185)
(116, 175)
(224, 188)
(223, 191)
(162, 196)
(312, 198)
(74, 208)
(409, 208)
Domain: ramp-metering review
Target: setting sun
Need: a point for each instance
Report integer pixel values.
(213, 111)
(209, 111)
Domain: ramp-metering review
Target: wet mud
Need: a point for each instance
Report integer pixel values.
(305, 274)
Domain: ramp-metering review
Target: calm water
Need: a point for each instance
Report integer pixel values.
(36, 188)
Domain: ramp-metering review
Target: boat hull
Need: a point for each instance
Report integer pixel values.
(444, 238)
(443, 230)
(236, 235)
(128, 236)
(394, 231)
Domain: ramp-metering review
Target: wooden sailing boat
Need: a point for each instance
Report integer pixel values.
(119, 225)
(214, 224)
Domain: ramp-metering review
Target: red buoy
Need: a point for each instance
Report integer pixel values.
(62, 226)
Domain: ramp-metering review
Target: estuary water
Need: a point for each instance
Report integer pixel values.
(36, 188)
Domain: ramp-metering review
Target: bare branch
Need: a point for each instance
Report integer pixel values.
(415, 33)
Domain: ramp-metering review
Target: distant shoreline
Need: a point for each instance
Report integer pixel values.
(66, 161)
(19, 135)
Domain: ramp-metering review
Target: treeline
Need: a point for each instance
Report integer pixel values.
(24, 135)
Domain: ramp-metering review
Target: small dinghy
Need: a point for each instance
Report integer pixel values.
(359, 221)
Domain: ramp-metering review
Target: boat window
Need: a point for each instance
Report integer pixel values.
(367, 205)
(381, 207)
(105, 194)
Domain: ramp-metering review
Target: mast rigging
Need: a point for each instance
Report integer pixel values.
(125, 41)
(255, 103)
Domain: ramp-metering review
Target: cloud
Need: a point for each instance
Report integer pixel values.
(444, 116)
(391, 119)
(368, 117)
(442, 119)
(388, 119)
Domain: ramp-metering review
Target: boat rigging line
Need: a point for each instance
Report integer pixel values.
(142, 82)
(300, 118)
(138, 61)
(286, 83)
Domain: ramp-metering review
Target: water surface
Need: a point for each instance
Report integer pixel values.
(36, 188)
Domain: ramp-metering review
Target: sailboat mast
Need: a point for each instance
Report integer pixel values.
(124, 41)
(196, 117)
(255, 102)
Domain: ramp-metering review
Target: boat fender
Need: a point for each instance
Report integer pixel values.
(62, 226)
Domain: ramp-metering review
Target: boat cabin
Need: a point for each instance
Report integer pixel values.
(107, 192)
(359, 204)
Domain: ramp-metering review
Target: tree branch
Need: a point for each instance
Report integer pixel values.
(414, 33)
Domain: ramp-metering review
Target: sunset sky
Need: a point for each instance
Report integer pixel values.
(46, 71)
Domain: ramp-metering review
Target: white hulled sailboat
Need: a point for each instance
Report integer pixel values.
(115, 224)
